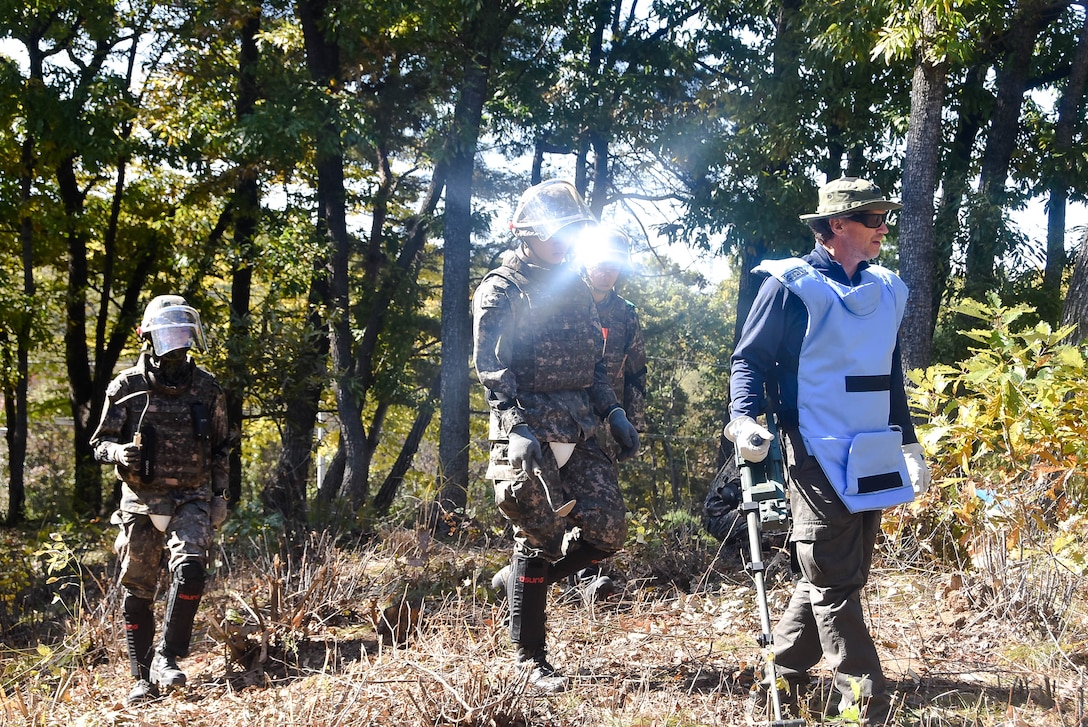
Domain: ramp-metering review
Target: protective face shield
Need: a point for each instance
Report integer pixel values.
(171, 324)
(604, 247)
(548, 207)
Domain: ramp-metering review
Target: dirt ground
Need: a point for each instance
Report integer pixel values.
(653, 655)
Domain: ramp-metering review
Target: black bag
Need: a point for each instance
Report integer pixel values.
(722, 517)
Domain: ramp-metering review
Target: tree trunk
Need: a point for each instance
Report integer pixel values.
(286, 492)
(1075, 311)
(954, 182)
(15, 395)
(917, 246)
(987, 241)
(383, 500)
(485, 33)
(323, 61)
(246, 218)
(87, 497)
(1069, 115)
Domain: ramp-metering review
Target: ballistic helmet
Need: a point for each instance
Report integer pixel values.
(606, 245)
(170, 324)
(548, 207)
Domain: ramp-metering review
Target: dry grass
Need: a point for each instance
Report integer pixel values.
(403, 631)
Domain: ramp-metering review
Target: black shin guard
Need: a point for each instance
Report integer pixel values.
(583, 557)
(139, 634)
(528, 595)
(181, 606)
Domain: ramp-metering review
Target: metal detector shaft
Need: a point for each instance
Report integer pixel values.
(763, 504)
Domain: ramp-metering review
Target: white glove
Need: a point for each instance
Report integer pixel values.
(126, 455)
(752, 439)
(917, 468)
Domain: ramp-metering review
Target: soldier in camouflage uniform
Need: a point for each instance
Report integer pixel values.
(604, 257)
(538, 353)
(164, 427)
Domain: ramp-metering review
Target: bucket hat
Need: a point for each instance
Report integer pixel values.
(847, 195)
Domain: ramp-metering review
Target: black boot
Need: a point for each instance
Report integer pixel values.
(542, 675)
(528, 595)
(582, 558)
(500, 582)
(181, 607)
(139, 635)
(585, 582)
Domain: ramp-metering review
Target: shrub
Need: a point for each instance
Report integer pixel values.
(1007, 440)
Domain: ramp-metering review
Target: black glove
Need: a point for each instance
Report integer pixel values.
(524, 449)
(624, 432)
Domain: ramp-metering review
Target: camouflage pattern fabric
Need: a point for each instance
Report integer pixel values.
(625, 355)
(139, 545)
(184, 430)
(520, 370)
(589, 477)
(504, 330)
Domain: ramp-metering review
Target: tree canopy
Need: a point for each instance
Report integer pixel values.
(326, 182)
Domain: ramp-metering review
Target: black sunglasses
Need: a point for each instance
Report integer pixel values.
(872, 220)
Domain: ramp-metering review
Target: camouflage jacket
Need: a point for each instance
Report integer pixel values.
(625, 355)
(538, 351)
(184, 437)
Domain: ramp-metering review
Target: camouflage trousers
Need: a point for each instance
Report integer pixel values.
(140, 545)
(588, 477)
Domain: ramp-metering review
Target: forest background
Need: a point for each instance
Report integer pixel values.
(327, 182)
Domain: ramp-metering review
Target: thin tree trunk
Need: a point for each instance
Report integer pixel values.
(954, 182)
(286, 492)
(1075, 310)
(323, 60)
(246, 218)
(15, 396)
(485, 33)
(918, 240)
(1069, 115)
(986, 243)
(383, 500)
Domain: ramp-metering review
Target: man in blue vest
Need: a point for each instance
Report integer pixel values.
(539, 354)
(821, 340)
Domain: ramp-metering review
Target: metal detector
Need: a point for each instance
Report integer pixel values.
(765, 509)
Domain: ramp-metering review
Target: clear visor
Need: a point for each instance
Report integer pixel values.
(173, 328)
(549, 207)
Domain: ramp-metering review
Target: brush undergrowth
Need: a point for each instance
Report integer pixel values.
(977, 602)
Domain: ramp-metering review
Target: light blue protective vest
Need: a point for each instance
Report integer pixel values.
(844, 381)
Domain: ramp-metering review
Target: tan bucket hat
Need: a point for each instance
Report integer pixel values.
(847, 195)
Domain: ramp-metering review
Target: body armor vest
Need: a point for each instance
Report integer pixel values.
(844, 380)
(557, 344)
(616, 320)
(175, 429)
